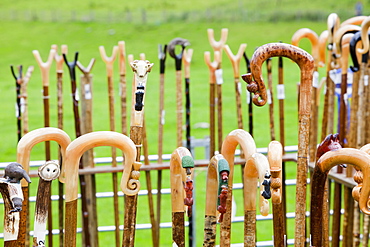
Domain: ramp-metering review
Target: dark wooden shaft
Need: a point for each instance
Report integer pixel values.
(178, 228)
(60, 185)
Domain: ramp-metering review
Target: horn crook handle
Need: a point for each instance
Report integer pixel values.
(312, 37)
(364, 36)
(217, 45)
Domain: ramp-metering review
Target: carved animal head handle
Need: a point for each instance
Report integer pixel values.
(354, 55)
(255, 81)
(172, 50)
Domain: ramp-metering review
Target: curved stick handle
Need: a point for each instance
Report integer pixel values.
(354, 55)
(304, 60)
(186, 59)
(59, 59)
(345, 51)
(323, 38)
(275, 157)
(90, 140)
(338, 36)
(122, 57)
(333, 23)
(34, 137)
(364, 36)
(312, 37)
(235, 59)
(108, 60)
(217, 45)
(44, 67)
(255, 169)
(356, 20)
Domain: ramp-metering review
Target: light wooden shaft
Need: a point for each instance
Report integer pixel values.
(212, 185)
(122, 57)
(95, 139)
(177, 179)
(44, 67)
(179, 108)
(364, 36)
(34, 137)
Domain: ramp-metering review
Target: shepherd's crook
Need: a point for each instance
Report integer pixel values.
(130, 184)
(306, 63)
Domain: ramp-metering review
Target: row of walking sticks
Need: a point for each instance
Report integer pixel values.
(308, 111)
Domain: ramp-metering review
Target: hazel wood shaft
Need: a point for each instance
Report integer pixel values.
(210, 223)
(24, 96)
(179, 108)
(271, 103)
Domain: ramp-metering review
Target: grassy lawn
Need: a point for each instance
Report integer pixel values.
(20, 36)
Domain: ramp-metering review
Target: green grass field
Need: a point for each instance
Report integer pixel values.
(251, 22)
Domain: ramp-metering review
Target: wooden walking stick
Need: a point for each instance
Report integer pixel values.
(256, 171)
(130, 184)
(24, 106)
(122, 85)
(141, 69)
(212, 66)
(216, 196)
(314, 40)
(186, 59)
(162, 67)
(45, 68)
(274, 155)
(181, 165)
(47, 172)
(24, 148)
(218, 46)
(59, 70)
(246, 142)
(10, 188)
(18, 111)
(89, 222)
(306, 64)
(352, 156)
(178, 62)
(249, 98)
(235, 62)
(270, 92)
(109, 68)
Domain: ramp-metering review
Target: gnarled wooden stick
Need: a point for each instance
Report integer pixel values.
(130, 184)
(274, 155)
(180, 167)
(247, 144)
(217, 176)
(306, 64)
(255, 170)
(352, 156)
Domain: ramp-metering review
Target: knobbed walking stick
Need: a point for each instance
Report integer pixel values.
(274, 155)
(130, 184)
(247, 144)
(306, 64)
(218, 46)
(352, 156)
(24, 148)
(212, 67)
(256, 171)
(45, 68)
(178, 64)
(109, 70)
(181, 165)
(216, 196)
(141, 69)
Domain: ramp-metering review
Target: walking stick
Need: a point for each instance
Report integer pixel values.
(306, 63)
(130, 184)
(88, 220)
(271, 99)
(10, 188)
(181, 165)
(18, 111)
(352, 156)
(24, 148)
(256, 171)
(123, 86)
(141, 69)
(274, 155)
(249, 98)
(178, 62)
(47, 172)
(59, 70)
(218, 46)
(45, 68)
(162, 66)
(314, 40)
(247, 144)
(212, 66)
(24, 107)
(216, 196)
(235, 62)
(109, 68)
(186, 59)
